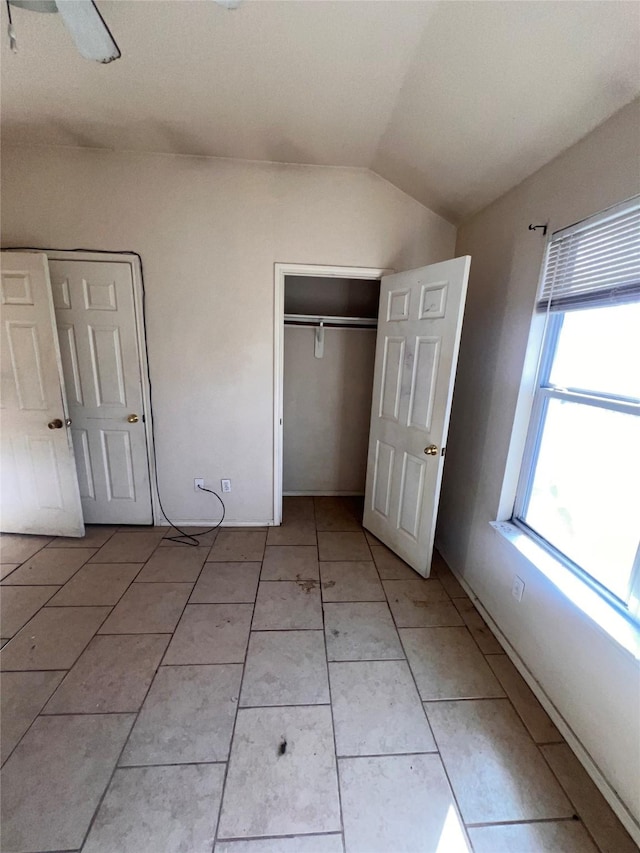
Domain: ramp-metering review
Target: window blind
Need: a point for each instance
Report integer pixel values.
(596, 262)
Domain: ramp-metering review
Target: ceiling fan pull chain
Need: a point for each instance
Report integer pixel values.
(13, 43)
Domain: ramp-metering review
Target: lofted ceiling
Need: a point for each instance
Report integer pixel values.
(453, 102)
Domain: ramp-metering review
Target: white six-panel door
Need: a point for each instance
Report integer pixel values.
(39, 490)
(96, 319)
(419, 327)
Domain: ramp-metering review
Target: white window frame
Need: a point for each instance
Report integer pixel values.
(543, 392)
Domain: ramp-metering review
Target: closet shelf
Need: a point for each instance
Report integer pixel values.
(317, 320)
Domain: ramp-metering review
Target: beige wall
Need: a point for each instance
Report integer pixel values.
(209, 232)
(593, 682)
(327, 409)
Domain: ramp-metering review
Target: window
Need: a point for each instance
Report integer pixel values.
(579, 489)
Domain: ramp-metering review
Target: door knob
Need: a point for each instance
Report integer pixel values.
(133, 419)
(431, 450)
(55, 424)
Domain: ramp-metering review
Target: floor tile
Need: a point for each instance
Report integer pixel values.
(338, 514)
(533, 715)
(285, 668)
(50, 790)
(440, 570)
(420, 604)
(19, 603)
(293, 533)
(361, 631)
(6, 569)
(480, 631)
(129, 547)
(112, 674)
(562, 836)
(50, 566)
(290, 563)
(95, 535)
(298, 508)
(19, 547)
(222, 583)
(152, 809)
(377, 710)
(399, 803)
(205, 536)
(291, 844)
(187, 716)
(238, 545)
(597, 815)
(148, 608)
(211, 633)
(173, 566)
(495, 768)
(287, 606)
(390, 566)
(343, 546)
(96, 583)
(350, 581)
(282, 774)
(53, 639)
(447, 664)
(22, 695)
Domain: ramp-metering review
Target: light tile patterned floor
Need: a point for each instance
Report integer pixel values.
(291, 690)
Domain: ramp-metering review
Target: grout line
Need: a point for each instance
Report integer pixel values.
(276, 837)
(235, 719)
(133, 725)
(391, 754)
(526, 821)
(438, 750)
(288, 705)
(333, 722)
(466, 699)
(569, 799)
(167, 764)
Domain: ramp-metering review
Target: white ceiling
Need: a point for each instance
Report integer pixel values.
(454, 102)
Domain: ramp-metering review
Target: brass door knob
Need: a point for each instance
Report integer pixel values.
(431, 450)
(55, 424)
(133, 419)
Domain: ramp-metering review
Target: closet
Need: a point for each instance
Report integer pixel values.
(329, 351)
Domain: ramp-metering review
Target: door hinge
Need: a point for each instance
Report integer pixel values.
(442, 451)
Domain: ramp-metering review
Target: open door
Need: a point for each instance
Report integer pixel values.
(419, 327)
(39, 492)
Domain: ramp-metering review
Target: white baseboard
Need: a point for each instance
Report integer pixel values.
(609, 793)
(323, 494)
(208, 523)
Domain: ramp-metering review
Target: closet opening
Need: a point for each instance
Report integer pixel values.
(327, 318)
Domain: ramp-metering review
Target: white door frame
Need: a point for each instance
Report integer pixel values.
(282, 270)
(138, 302)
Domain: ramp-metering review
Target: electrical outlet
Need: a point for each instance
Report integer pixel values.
(517, 588)
(226, 485)
(198, 484)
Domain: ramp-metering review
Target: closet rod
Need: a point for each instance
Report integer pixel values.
(316, 320)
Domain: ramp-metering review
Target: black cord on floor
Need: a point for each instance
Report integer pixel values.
(183, 538)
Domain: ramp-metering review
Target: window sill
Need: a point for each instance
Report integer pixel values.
(603, 615)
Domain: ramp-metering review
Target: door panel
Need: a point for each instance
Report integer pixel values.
(419, 328)
(95, 313)
(39, 485)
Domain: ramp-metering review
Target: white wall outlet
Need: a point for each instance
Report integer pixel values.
(226, 485)
(198, 484)
(517, 588)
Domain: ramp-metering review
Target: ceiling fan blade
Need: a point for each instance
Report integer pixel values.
(88, 30)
